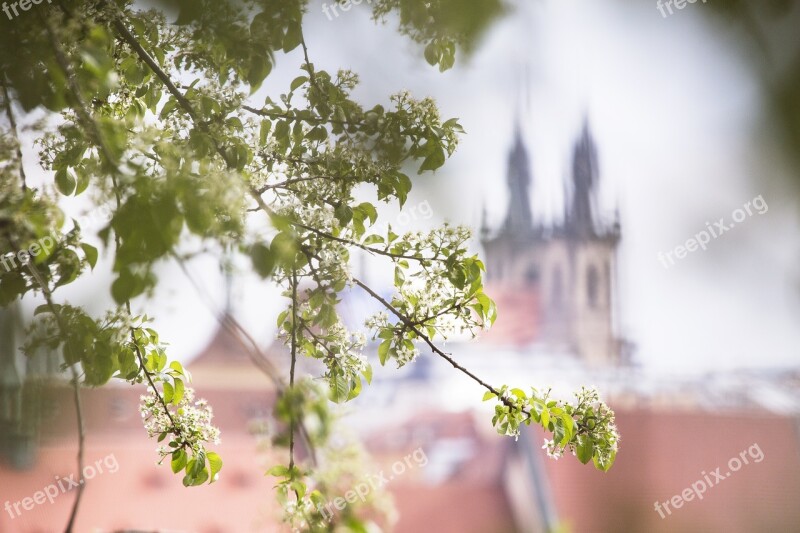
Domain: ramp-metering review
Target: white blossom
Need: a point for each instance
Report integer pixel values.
(190, 423)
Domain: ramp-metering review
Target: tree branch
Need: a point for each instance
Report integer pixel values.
(435, 349)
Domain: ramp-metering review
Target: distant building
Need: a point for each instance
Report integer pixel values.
(25, 383)
(555, 283)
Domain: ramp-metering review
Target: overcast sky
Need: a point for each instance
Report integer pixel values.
(676, 116)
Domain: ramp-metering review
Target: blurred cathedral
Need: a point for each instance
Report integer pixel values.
(554, 284)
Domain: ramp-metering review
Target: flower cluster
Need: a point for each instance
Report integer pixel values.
(334, 263)
(586, 429)
(345, 348)
(452, 235)
(599, 421)
(314, 216)
(190, 423)
(378, 320)
(406, 354)
(554, 451)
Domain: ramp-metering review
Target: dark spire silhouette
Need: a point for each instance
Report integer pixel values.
(584, 178)
(518, 217)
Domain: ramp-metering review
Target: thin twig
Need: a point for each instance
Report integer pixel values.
(13, 123)
(435, 349)
(257, 356)
(48, 296)
(291, 370)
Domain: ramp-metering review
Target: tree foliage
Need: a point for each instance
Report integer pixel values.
(153, 114)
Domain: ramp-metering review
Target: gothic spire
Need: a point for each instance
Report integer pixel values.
(584, 179)
(518, 219)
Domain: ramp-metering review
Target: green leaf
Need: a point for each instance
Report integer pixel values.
(605, 466)
(584, 449)
(127, 286)
(355, 389)
(383, 351)
(266, 126)
(169, 392)
(299, 487)
(519, 393)
(179, 391)
(373, 239)
(297, 82)
(369, 210)
(177, 367)
(263, 260)
(344, 214)
(435, 160)
(340, 389)
(65, 182)
(283, 248)
(179, 460)
(278, 471)
(569, 426)
(200, 478)
(294, 35)
(559, 436)
(432, 53)
(91, 254)
(215, 464)
(488, 395)
(127, 363)
(12, 285)
(198, 464)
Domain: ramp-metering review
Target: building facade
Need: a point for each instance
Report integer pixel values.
(559, 278)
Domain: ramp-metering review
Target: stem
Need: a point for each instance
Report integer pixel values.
(258, 357)
(291, 370)
(176, 430)
(435, 349)
(76, 397)
(264, 207)
(13, 123)
(129, 38)
(48, 296)
(80, 106)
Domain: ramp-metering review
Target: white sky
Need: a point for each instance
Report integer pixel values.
(675, 116)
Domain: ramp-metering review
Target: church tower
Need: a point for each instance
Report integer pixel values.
(518, 218)
(554, 284)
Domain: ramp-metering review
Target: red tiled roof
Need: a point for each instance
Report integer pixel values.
(140, 494)
(456, 507)
(663, 453)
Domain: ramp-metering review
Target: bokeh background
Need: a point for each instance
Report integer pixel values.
(682, 119)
